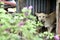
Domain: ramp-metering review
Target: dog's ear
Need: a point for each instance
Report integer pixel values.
(36, 14)
(51, 14)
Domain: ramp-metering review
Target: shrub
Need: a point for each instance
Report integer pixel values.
(13, 24)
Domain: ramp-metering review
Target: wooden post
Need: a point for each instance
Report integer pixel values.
(17, 6)
(57, 17)
(20, 4)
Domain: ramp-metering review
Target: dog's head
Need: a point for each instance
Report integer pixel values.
(41, 17)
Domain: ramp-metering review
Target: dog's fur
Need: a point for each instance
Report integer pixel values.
(47, 19)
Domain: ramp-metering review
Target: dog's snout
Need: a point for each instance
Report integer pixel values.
(42, 21)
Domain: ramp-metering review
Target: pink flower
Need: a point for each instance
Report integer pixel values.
(56, 37)
(30, 7)
(21, 23)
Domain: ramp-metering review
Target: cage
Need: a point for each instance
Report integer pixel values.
(39, 6)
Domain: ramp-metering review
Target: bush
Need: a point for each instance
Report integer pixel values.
(21, 26)
(18, 26)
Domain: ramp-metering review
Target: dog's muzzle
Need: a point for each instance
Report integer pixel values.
(42, 21)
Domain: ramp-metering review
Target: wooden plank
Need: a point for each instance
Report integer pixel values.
(57, 17)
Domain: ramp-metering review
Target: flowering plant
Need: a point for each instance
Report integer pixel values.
(12, 25)
(56, 37)
(2, 7)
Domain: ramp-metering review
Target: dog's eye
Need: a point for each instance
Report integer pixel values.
(39, 16)
(46, 17)
(43, 16)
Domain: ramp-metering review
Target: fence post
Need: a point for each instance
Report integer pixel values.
(17, 6)
(20, 4)
(57, 17)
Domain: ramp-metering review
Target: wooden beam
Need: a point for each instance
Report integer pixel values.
(20, 4)
(57, 17)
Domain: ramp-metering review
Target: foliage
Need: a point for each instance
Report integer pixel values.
(1, 7)
(13, 24)
(47, 35)
(20, 26)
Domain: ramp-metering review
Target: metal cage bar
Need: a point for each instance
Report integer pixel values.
(38, 5)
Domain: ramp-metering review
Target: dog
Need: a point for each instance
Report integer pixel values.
(48, 20)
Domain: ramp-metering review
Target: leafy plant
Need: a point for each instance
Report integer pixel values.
(21, 26)
(2, 7)
(46, 35)
(13, 24)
